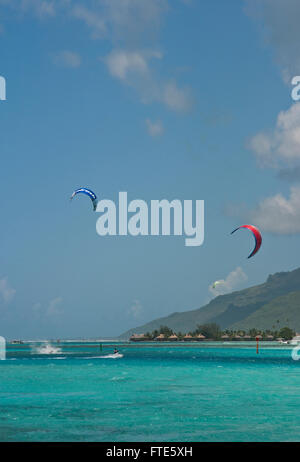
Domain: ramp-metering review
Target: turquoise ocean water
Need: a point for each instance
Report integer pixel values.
(153, 393)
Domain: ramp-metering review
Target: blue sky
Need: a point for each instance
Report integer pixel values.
(181, 99)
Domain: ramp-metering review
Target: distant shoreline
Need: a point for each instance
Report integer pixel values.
(153, 344)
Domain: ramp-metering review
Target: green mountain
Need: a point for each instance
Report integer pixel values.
(273, 303)
(284, 311)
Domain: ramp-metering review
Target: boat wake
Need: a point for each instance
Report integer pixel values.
(112, 356)
(46, 349)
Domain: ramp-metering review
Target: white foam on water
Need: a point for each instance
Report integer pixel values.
(112, 356)
(46, 349)
(2, 348)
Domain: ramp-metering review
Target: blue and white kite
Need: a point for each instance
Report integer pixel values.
(89, 193)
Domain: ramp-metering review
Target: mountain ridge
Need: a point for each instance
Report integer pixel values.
(240, 309)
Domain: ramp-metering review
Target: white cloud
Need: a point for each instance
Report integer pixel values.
(131, 26)
(134, 24)
(40, 8)
(133, 21)
(130, 22)
(177, 99)
(54, 308)
(154, 128)
(6, 291)
(281, 146)
(133, 68)
(93, 19)
(47, 311)
(67, 58)
(279, 24)
(121, 64)
(136, 309)
(227, 285)
(122, 20)
(277, 214)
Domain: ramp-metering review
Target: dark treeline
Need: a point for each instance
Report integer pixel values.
(213, 332)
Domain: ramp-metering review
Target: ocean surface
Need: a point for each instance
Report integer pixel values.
(208, 392)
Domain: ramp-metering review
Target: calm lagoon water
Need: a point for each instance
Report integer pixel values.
(153, 393)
